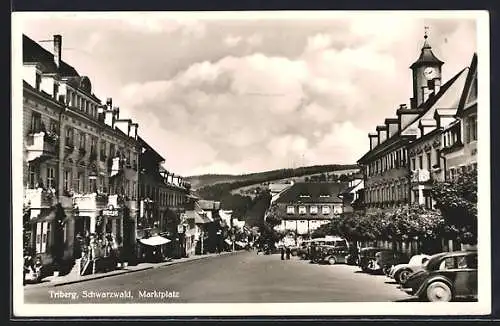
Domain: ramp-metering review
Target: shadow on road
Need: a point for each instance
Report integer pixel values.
(409, 300)
(391, 282)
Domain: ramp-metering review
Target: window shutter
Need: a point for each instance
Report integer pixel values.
(38, 237)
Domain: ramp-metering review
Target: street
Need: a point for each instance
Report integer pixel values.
(238, 278)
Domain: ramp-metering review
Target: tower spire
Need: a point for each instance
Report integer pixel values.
(426, 43)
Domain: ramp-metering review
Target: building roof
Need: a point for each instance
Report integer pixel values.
(198, 218)
(447, 98)
(312, 192)
(426, 56)
(278, 187)
(34, 52)
(469, 94)
(151, 149)
(209, 204)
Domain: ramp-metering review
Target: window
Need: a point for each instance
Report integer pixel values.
(420, 162)
(302, 210)
(103, 150)
(313, 209)
(471, 129)
(290, 210)
(92, 185)
(51, 182)
(101, 184)
(32, 176)
(93, 145)
(38, 81)
(42, 237)
(111, 150)
(73, 99)
(447, 263)
(325, 210)
(428, 157)
(80, 181)
(413, 165)
(36, 122)
(82, 140)
(69, 136)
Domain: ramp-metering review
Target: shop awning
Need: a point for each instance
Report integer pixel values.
(155, 241)
(228, 241)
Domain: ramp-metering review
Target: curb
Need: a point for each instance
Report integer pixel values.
(159, 265)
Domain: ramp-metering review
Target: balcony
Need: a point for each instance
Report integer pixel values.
(91, 202)
(41, 145)
(38, 199)
(420, 176)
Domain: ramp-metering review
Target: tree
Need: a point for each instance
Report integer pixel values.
(274, 216)
(457, 201)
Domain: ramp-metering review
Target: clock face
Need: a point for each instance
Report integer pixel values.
(430, 73)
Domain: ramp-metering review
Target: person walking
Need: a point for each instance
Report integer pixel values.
(288, 250)
(282, 250)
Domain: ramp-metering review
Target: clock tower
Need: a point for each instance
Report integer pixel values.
(426, 74)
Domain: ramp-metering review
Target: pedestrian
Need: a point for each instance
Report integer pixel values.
(282, 250)
(288, 253)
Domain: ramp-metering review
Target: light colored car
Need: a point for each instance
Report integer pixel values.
(401, 272)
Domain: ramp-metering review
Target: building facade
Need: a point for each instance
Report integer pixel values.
(305, 206)
(80, 159)
(459, 138)
(406, 152)
(353, 196)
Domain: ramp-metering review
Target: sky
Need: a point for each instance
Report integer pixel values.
(245, 93)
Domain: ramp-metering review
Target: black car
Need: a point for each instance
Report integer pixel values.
(367, 257)
(446, 276)
(385, 259)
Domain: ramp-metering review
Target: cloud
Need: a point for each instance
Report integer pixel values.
(217, 102)
(232, 41)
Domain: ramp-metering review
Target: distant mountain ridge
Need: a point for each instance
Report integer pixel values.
(201, 181)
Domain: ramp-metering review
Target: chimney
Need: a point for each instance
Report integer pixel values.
(101, 113)
(109, 103)
(425, 93)
(373, 140)
(57, 50)
(116, 113)
(382, 133)
(133, 130)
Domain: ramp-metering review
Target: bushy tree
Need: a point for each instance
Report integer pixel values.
(457, 201)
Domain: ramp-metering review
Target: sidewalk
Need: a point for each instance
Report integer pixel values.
(52, 281)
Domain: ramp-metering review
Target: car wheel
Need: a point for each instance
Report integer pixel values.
(332, 260)
(402, 276)
(439, 292)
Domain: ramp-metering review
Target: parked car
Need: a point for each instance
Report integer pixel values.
(385, 259)
(401, 272)
(446, 276)
(352, 257)
(303, 249)
(334, 251)
(367, 257)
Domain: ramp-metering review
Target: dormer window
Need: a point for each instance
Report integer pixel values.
(324, 196)
(305, 196)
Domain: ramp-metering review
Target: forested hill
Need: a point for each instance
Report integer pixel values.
(200, 181)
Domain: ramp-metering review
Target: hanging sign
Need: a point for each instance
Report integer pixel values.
(111, 211)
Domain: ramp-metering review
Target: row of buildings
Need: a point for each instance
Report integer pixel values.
(87, 172)
(432, 138)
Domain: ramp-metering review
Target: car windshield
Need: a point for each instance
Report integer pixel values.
(341, 243)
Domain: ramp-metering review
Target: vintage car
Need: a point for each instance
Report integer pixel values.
(367, 257)
(385, 259)
(335, 250)
(446, 277)
(303, 250)
(401, 272)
